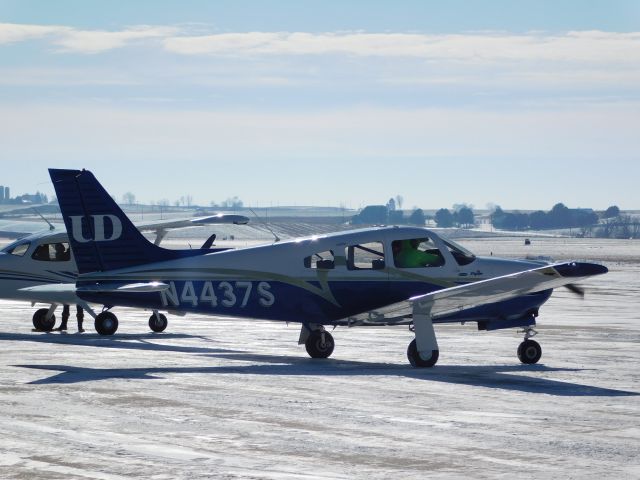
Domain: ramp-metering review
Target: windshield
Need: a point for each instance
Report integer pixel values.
(460, 254)
(18, 248)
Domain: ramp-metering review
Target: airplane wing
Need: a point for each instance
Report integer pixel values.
(463, 297)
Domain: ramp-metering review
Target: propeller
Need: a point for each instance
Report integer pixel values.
(575, 289)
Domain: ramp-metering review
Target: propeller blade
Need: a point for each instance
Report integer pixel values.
(575, 289)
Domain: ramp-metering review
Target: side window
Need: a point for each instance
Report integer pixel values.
(416, 253)
(19, 250)
(52, 252)
(321, 260)
(366, 256)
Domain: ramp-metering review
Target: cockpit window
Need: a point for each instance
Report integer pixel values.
(459, 253)
(321, 260)
(365, 256)
(18, 249)
(416, 253)
(52, 252)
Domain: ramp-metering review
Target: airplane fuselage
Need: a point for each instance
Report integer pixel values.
(323, 280)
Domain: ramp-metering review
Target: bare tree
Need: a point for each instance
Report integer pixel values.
(399, 201)
(128, 198)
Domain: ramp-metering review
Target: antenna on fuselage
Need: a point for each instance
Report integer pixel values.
(51, 227)
(266, 225)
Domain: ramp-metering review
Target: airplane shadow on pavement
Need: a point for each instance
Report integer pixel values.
(505, 377)
(127, 341)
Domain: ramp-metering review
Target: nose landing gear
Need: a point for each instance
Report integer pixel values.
(529, 351)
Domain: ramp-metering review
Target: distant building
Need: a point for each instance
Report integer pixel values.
(7, 194)
(1, 193)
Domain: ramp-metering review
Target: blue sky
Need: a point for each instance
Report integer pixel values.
(520, 104)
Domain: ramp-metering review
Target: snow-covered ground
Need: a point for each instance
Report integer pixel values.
(225, 398)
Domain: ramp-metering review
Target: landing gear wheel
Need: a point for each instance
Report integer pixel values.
(417, 361)
(529, 352)
(106, 323)
(158, 322)
(320, 344)
(41, 322)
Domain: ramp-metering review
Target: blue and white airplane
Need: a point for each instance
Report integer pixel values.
(355, 278)
(44, 258)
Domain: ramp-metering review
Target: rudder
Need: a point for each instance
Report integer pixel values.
(101, 235)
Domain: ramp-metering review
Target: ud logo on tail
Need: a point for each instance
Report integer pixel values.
(98, 228)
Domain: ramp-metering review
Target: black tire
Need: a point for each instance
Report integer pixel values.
(41, 322)
(529, 352)
(316, 347)
(416, 360)
(106, 323)
(158, 323)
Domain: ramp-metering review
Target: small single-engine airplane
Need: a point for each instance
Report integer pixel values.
(44, 258)
(365, 277)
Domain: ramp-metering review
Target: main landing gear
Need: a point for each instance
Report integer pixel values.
(417, 359)
(158, 322)
(529, 351)
(318, 342)
(423, 351)
(44, 319)
(106, 323)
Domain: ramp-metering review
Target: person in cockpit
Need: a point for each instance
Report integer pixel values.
(406, 254)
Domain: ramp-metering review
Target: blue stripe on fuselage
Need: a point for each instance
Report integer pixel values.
(275, 300)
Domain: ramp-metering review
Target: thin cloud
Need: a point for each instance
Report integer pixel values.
(97, 41)
(477, 47)
(15, 32)
(587, 46)
(81, 41)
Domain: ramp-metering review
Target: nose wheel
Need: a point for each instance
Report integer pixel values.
(529, 351)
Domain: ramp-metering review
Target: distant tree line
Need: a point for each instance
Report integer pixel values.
(389, 214)
(617, 227)
(560, 216)
(461, 217)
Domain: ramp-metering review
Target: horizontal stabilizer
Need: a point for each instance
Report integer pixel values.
(218, 219)
(62, 293)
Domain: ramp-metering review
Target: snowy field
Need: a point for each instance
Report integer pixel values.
(223, 398)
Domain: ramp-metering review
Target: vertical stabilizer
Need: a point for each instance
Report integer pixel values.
(101, 235)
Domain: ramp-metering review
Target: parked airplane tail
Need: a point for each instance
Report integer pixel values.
(101, 235)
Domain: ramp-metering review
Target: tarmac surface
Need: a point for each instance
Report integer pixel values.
(228, 398)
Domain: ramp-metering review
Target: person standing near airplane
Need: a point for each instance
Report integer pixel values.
(65, 318)
(62, 254)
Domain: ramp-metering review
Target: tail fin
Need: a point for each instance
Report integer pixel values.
(101, 235)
